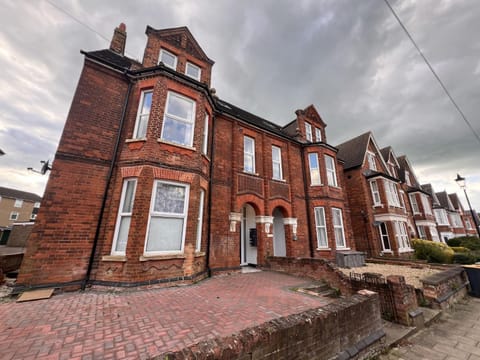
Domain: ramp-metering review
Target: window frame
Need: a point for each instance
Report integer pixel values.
(36, 205)
(188, 63)
(339, 226)
(413, 201)
(393, 198)
(401, 235)
(198, 238)
(308, 132)
(427, 209)
(318, 134)
(313, 169)
(140, 115)
(422, 234)
(176, 118)
(331, 172)
(320, 227)
(205, 134)
(407, 178)
(383, 230)
(152, 214)
(121, 215)
(18, 203)
(174, 67)
(441, 214)
(248, 154)
(375, 192)
(372, 164)
(14, 215)
(277, 162)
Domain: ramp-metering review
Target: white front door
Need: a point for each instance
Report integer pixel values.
(279, 246)
(248, 249)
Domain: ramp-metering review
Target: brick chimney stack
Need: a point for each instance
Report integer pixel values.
(119, 39)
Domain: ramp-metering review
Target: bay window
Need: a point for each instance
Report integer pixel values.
(179, 120)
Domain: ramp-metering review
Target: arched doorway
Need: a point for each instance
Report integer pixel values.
(279, 245)
(248, 236)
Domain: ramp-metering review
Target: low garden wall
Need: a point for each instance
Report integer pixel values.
(444, 288)
(349, 328)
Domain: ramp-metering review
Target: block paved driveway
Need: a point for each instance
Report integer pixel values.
(142, 323)
(456, 335)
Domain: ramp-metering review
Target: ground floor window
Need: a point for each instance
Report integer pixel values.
(401, 235)
(321, 228)
(434, 233)
(338, 228)
(122, 226)
(421, 232)
(168, 216)
(384, 236)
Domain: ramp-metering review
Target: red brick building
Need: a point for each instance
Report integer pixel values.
(157, 180)
(380, 220)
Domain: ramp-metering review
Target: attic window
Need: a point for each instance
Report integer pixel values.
(193, 71)
(308, 132)
(168, 59)
(372, 165)
(318, 135)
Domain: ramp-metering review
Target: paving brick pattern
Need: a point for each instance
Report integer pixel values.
(456, 335)
(140, 324)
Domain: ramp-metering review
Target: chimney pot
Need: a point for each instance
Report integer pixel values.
(119, 39)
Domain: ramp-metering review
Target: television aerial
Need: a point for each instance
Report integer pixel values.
(45, 167)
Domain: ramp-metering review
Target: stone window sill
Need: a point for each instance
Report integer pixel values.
(114, 258)
(186, 147)
(136, 140)
(161, 257)
(324, 249)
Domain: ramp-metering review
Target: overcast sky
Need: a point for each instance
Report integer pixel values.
(351, 59)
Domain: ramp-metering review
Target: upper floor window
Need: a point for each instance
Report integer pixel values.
(308, 132)
(33, 216)
(14, 215)
(434, 233)
(18, 203)
(36, 205)
(168, 217)
(321, 228)
(318, 135)
(331, 172)
(441, 217)
(426, 205)
(392, 194)
(407, 178)
(143, 114)
(392, 169)
(205, 135)
(179, 120)
(372, 165)
(198, 242)
(277, 163)
(193, 71)
(168, 59)
(314, 169)
(338, 228)
(413, 201)
(456, 220)
(122, 226)
(248, 154)
(375, 192)
(421, 232)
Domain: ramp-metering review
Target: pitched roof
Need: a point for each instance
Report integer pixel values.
(455, 201)
(111, 57)
(444, 200)
(249, 117)
(18, 194)
(429, 189)
(353, 151)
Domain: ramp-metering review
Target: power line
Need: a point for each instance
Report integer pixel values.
(78, 21)
(434, 73)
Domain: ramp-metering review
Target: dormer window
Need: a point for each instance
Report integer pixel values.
(168, 59)
(372, 165)
(318, 135)
(308, 132)
(407, 178)
(193, 71)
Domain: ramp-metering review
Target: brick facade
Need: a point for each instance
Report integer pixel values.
(80, 234)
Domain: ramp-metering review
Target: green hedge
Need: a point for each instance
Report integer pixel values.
(464, 258)
(434, 252)
(459, 249)
(470, 242)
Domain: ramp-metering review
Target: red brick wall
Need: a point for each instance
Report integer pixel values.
(60, 244)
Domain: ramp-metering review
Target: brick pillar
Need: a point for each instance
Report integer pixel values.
(404, 298)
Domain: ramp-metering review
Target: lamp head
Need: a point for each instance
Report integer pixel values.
(460, 180)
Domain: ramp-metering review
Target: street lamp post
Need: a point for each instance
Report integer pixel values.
(461, 182)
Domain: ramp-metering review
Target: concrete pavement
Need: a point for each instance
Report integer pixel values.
(454, 335)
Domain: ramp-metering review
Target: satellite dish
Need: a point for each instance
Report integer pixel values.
(45, 167)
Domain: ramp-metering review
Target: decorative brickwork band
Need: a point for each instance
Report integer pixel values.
(133, 171)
